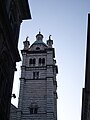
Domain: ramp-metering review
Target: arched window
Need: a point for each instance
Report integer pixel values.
(39, 60)
(34, 61)
(43, 61)
(30, 62)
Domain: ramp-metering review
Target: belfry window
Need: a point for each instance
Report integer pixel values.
(32, 61)
(41, 61)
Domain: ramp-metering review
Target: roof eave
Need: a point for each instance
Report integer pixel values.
(25, 10)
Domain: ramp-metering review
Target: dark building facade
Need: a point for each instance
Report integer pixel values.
(12, 12)
(86, 90)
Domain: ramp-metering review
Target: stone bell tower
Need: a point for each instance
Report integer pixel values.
(38, 85)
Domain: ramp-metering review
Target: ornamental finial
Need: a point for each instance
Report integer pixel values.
(39, 31)
(50, 37)
(27, 38)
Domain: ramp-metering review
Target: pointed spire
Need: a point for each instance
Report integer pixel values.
(26, 43)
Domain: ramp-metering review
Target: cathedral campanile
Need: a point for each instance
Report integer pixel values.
(38, 85)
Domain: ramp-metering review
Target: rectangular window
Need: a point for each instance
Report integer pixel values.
(35, 75)
(33, 110)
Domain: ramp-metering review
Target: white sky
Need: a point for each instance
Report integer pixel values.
(66, 21)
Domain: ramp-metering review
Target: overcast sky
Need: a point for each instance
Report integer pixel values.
(66, 21)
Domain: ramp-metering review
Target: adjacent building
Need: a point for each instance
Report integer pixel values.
(12, 12)
(38, 84)
(86, 90)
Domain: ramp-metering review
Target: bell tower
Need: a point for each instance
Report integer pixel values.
(38, 85)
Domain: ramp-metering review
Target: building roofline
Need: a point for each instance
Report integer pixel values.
(25, 9)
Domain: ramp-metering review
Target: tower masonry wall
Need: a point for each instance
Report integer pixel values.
(38, 95)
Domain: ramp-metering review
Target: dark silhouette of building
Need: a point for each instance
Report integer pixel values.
(86, 90)
(12, 12)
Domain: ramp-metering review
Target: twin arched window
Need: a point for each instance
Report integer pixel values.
(41, 61)
(32, 61)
